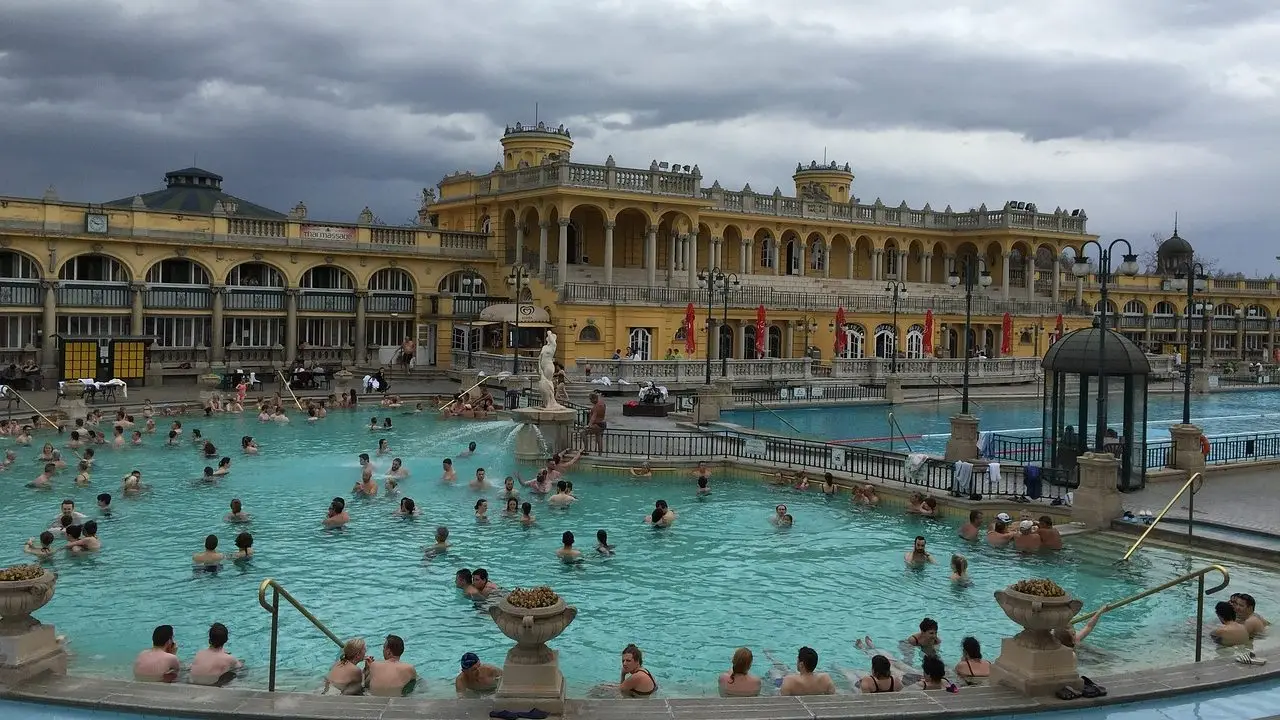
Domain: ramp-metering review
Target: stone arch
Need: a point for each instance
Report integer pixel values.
(18, 265)
(256, 273)
(671, 225)
(586, 234)
(455, 283)
(329, 277)
(765, 255)
(391, 280)
(841, 256)
(703, 258)
(817, 255)
(863, 257)
(1257, 311)
(165, 272)
(731, 248)
(631, 227)
(510, 235)
(914, 272)
(589, 334)
(789, 246)
(1164, 307)
(889, 257)
(112, 268)
(1134, 307)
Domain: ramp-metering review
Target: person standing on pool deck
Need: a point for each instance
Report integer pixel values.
(160, 662)
(918, 555)
(596, 424)
(806, 681)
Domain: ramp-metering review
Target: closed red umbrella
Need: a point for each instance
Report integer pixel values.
(1057, 329)
(761, 338)
(928, 333)
(690, 340)
(842, 340)
(1006, 335)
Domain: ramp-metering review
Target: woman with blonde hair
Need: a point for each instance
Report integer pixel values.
(739, 682)
(346, 675)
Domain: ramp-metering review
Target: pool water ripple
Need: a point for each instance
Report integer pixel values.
(688, 595)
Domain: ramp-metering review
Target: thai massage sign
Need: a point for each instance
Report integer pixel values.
(328, 232)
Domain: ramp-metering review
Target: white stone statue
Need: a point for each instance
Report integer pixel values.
(546, 373)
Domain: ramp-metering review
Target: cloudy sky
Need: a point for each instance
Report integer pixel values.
(1131, 109)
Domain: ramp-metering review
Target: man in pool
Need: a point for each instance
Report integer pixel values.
(479, 482)
(972, 530)
(806, 681)
(927, 639)
(476, 677)
(1231, 632)
(465, 581)
(1050, 538)
(1027, 539)
(1245, 607)
(214, 665)
(390, 677)
(208, 559)
(69, 509)
(918, 554)
(562, 496)
(449, 475)
(480, 581)
(999, 535)
(160, 662)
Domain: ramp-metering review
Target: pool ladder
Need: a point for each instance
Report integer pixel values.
(894, 426)
(1193, 484)
(273, 607)
(774, 413)
(1198, 576)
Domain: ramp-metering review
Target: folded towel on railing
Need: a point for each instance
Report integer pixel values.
(962, 478)
(985, 439)
(993, 473)
(915, 466)
(602, 380)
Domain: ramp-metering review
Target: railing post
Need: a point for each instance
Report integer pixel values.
(1199, 613)
(275, 635)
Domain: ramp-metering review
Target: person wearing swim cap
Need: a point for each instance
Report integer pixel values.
(476, 677)
(1027, 539)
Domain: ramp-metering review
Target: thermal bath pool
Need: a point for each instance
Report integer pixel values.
(720, 578)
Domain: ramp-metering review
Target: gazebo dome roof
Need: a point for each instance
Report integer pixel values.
(1077, 352)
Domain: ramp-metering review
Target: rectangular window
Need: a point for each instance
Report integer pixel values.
(387, 333)
(18, 330)
(93, 326)
(460, 336)
(254, 332)
(179, 332)
(325, 332)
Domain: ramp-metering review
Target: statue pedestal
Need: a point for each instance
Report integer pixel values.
(1097, 501)
(1186, 454)
(1200, 381)
(542, 432)
(1035, 670)
(29, 653)
(707, 404)
(963, 444)
(893, 394)
(526, 686)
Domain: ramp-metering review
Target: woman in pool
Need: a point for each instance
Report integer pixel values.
(337, 516)
(935, 674)
(383, 447)
(82, 474)
(739, 682)
(828, 484)
(248, 445)
(960, 569)
(346, 675)
(972, 668)
(131, 484)
(602, 543)
(237, 514)
(644, 471)
(407, 508)
(662, 515)
(513, 507)
(244, 548)
(482, 510)
(779, 513)
(209, 450)
(636, 681)
(224, 467)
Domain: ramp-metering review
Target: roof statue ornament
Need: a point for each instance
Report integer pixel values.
(428, 198)
(814, 192)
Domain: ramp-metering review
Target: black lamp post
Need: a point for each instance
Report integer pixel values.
(1191, 277)
(810, 325)
(899, 289)
(975, 275)
(1128, 266)
(1036, 330)
(517, 279)
(716, 281)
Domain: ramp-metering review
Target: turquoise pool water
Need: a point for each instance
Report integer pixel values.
(720, 578)
(927, 424)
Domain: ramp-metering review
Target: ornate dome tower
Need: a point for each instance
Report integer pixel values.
(827, 183)
(533, 145)
(1174, 253)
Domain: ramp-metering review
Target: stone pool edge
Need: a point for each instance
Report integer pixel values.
(180, 700)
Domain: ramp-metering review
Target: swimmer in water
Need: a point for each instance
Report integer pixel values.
(82, 474)
(479, 482)
(131, 484)
(407, 508)
(224, 467)
(383, 447)
(244, 548)
(540, 485)
(397, 470)
(662, 515)
(237, 514)
(392, 487)
(960, 570)
(512, 508)
(562, 497)
(828, 484)
(337, 516)
(602, 543)
(449, 475)
(441, 545)
(567, 552)
(482, 510)
(208, 559)
(918, 555)
(44, 481)
(779, 512)
(248, 445)
(526, 515)
(471, 450)
(644, 471)
(703, 489)
(509, 488)
(366, 487)
(208, 478)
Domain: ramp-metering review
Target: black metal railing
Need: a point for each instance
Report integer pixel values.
(808, 394)
(1222, 450)
(1022, 449)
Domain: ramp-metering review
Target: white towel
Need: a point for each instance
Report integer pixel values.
(602, 380)
(915, 466)
(993, 475)
(984, 443)
(962, 478)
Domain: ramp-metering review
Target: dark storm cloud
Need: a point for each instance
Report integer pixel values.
(644, 69)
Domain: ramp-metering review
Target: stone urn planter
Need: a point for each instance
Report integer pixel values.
(1039, 612)
(532, 628)
(211, 380)
(73, 391)
(24, 589)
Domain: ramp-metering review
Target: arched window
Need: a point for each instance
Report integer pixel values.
(749, 342)
(775, 341)
(462, 282)
(1225, 310)
(886, 341)
(15, 266)
(1135, 307)
(726, 341)
(391, 280)
(768, 252)
(1256, 311)
(177, 271)
(327, 277)
(855, 342)
(589, 334)
(255, 274)
(915, 342)
(1164, 307)
(817, 254)
(640, 341)
(94, 268)
(889, 261)
(1111, 306)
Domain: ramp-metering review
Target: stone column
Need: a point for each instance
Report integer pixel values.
(826, 261)
(744, 251)
(651, 255)
(49, 328)
(1186, 453)
(217, 331)
(672, 246)
(924, 267)
(608, 252)
(137, 321)
(691, 259)
(800, 263)
(519, 242)
(360, 341)
(542, 247)
(778, 258)
(1031, 278)
(893, 390)
(291, 325)
(852, 259)
(1200, 379)
(1097, 501)
(1080, 292)
(1057, 281)
(562, 254)
(963, 444)
(788, 341)
(1004, 275)
(740, 340)
(901, 269)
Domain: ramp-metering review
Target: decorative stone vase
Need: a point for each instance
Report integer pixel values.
(532, 629)
(20, 598)
(211, 380)
(1038, 616)
(73, 391)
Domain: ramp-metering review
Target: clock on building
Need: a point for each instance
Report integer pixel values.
(95, 223)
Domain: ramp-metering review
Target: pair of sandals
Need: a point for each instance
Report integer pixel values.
(1089, 690)
(1247, 657)
(535, 714)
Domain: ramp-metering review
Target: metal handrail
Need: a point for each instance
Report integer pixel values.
(277, 592)
(774, 413)
(940, 383)
(1198, 575)
(893, 425)
(288, 387)
(1192, 484)
(466, 392)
